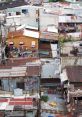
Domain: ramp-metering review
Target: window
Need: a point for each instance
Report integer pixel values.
(20, 85)
(37, 20)
(9, 14)
(33, 44)
(0, 83)
(18, 13)
(25, 11)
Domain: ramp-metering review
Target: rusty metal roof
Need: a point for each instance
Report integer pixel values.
(49, 36)
(31, 70)
(17, 62)
(74, 73)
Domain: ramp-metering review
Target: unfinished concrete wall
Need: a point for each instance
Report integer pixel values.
(67, 61)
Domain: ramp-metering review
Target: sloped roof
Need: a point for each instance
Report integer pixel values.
(25, 32)
(15, 34)
(17, 62)
(30, 33)
(12, 4)
(48, 36)
(33, 70)
(74, 73)
(18, 67)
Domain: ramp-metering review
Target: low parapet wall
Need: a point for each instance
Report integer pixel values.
(67, 61)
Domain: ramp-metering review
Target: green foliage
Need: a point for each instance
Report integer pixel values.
(44, 98)
(61, 41)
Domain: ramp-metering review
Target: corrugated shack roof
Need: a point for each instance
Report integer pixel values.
(13, 72)
(25, 32)
(33, 69)
(76, 93)
(20, 72)
(20, 68)
(12, 4)
(74, 73)
(48, 36)
(17, 62)
(35, 34)
(15, 34)
(31, 33)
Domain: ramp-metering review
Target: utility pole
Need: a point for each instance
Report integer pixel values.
(38, 19)
(39, 96)
(2, 33)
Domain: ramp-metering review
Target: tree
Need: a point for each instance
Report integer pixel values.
(44, 98)
(61, 42)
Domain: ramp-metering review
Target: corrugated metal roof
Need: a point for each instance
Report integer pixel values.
(12, 62)
(15, 34)
(33, 70)
(18, 68)
(31, 33)
(12, 4)
(48, 36)
(74, 73)
(14, 72)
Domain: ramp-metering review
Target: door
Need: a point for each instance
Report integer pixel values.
(20, 85)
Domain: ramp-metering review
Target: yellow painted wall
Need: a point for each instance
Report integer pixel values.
(27, 41)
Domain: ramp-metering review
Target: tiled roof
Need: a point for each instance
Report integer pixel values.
(74, 73)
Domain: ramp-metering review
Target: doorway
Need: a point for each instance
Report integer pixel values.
(20, 85)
